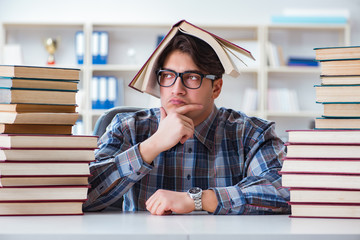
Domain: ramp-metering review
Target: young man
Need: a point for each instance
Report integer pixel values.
(189, 155)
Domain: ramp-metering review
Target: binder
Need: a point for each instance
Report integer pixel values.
(79, 47)
(107, 92)
(104, 47)
(112, 92)
(103, 92)
(95, 47)
(100, 47)
(95, 101)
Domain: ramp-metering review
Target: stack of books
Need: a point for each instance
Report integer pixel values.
(322, 166)
(339, 91)
(44, 168)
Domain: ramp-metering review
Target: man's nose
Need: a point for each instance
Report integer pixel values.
(178, 86)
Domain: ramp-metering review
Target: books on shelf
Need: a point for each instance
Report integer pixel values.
(351, 109)
(79, 47)
(323, 150)
(250, 100)
(340, 80)
(38, 118)
(324, 136)
(37, 193)
(35, 129)
(275, 55)
(20, 71)
(337, 93)
(302, 62)
(106, 92)
(145, 79)
(337, 123)
(309, 19)
(14, 208)
(22, 108)
(334, 53)
(11, 95)
(282, 100)
(37, 154)
(100, 47)
(325, 210)
(47, 141)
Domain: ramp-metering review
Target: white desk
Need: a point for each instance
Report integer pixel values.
(143, 226)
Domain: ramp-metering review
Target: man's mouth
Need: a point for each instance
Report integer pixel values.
(176, 101)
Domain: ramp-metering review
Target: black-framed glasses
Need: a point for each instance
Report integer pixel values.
(190, 79)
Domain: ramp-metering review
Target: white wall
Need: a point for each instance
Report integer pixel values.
(167, 11)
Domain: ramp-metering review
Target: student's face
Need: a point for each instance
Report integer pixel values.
(178, 95)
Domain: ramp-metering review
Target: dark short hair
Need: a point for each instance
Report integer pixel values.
(201, 53)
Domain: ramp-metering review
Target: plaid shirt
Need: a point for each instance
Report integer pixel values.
(236, 156)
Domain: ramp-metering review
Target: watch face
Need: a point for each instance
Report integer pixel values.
(194, 190)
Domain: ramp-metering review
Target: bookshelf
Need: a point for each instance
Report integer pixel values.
(131, 44)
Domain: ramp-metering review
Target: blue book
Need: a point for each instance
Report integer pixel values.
(309, 19)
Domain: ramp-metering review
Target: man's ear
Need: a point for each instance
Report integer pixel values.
(216, 90)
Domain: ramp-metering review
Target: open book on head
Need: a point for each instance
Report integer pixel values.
(228, 53)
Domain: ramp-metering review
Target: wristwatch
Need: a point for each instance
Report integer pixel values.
(196, 193)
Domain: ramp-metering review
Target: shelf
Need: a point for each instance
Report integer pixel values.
(305, 114)
(141, 39)
(116, 67)
(286, 69)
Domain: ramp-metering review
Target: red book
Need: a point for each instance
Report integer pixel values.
(324, 136)
(323, 150)
(48, 141)
(325, 210)
(27, 168)
(11, 181)
(315, 165)
(38, 154)
(320, 180)
(43, 193)
(325, 195)
(11, 208)
(35, 129)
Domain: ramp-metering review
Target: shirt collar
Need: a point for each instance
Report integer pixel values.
(205, 131)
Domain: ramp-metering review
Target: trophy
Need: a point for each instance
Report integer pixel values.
(51, 46)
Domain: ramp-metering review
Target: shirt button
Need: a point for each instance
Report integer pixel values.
(190, 150)
(188, 177)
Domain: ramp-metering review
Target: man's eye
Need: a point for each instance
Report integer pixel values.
(194, 77)
(167, 75)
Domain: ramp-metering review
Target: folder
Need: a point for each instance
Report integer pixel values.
(79, 47)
